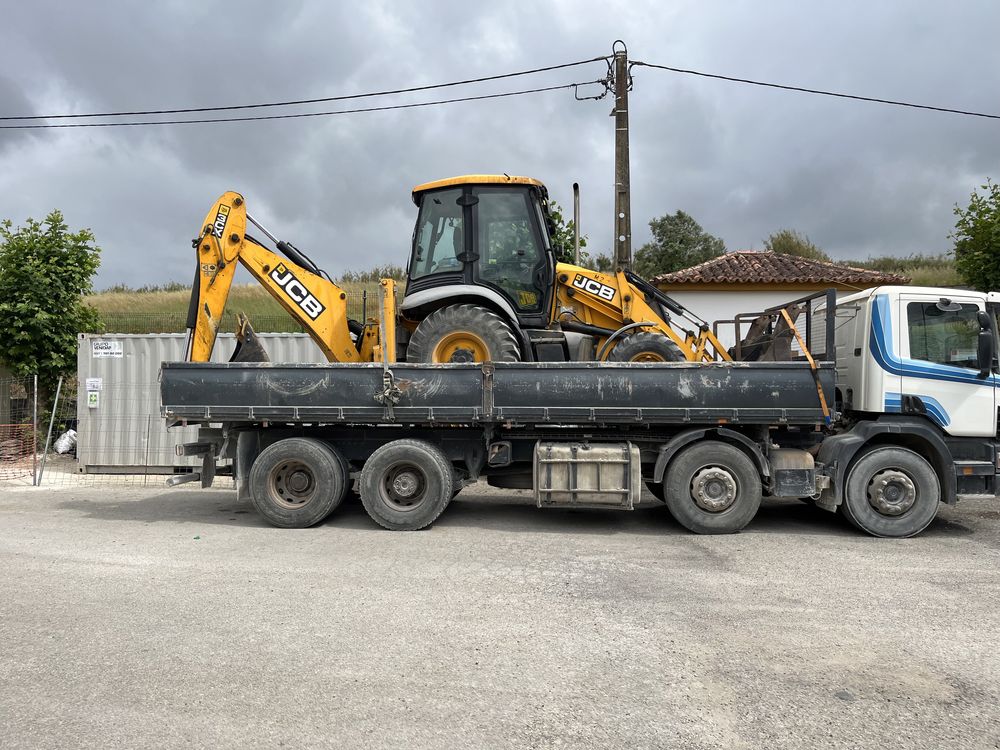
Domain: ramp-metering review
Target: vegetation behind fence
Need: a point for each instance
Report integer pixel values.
(166, 312)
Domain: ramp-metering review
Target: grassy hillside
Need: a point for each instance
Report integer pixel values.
(923, 270)
(159, 310)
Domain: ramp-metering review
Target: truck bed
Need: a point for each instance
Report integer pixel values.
(520, 392)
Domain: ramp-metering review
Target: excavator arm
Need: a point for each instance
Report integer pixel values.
(319, 305)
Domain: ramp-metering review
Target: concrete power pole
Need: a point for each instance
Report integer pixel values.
(623, 207)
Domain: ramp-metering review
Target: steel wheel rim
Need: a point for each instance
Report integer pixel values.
(460, 346)
(714, 489)
(404, 487)
(292, 484)
(891, 492)
(648, 357)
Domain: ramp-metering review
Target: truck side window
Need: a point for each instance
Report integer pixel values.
(943, 337)
(440, 235)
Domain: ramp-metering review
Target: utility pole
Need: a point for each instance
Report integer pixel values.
(623, 208)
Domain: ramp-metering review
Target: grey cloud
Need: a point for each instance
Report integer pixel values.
(857, 178)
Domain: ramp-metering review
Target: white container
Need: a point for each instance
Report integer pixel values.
(120, 429)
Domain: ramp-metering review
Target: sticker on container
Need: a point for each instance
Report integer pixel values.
(95, 384)
(107, 349)
(93, 399)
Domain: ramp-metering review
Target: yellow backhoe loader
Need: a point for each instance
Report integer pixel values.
(482, 284)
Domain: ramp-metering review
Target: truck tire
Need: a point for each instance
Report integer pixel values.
(406, 484)
(891, 492)
(712, 488)
(297, 482)
(646, 346)
(462, 333)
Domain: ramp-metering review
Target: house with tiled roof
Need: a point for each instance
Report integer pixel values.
(750, 280)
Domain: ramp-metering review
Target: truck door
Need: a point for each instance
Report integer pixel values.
(938, 367)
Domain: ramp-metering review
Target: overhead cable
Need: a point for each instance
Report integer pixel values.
(319, 100)
(295, 115)
(801, 89)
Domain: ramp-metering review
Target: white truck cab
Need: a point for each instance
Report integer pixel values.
(915, 350)
(916, 388)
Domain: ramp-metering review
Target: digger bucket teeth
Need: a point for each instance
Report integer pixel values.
(248, 345)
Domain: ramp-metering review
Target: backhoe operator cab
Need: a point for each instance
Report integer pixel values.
(481, 244)
(483, 284)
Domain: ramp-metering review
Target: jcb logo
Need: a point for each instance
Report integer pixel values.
(297, 291)
(594, 287)
(219, 227)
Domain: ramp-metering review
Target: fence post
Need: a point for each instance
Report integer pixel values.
(34, 434)
(364, 305)
(48, 436)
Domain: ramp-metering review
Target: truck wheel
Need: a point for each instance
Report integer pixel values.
(646, 347)
(891, 492)
(406, 484)
(297, 482)
(712, 488)
(462, 333)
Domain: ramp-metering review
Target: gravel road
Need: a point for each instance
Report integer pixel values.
(177, 618)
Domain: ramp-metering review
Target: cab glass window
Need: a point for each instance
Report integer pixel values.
(944, 337)
(509, 249)
(439, 237)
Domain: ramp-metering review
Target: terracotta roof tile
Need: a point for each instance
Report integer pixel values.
(764, 267)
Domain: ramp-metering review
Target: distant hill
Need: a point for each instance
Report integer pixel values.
(923, 270)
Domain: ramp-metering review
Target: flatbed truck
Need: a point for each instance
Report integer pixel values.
(883, 408)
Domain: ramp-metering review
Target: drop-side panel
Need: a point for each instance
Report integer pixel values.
(535, 392)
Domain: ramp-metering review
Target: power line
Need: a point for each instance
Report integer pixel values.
(836, 94)
(293, 102)
(573, 86)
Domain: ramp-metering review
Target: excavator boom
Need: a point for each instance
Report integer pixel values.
(319, 305)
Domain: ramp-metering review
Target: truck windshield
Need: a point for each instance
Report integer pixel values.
(944, 337)
(439, 237)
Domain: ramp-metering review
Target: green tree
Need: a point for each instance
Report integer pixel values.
(44, 272)
(678, 242)
(977, 239)
(790, 242)
(562, 236)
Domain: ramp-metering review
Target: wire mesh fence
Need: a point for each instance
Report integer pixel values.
(70, 437)
(18, 430)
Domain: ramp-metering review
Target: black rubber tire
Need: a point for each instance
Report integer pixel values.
(681, 473)
(275, 499)
(413, 461)
(646, 346)
(485, 324)
(860, 512)
(656, 490)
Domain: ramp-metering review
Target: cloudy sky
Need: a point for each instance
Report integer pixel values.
(859, 179)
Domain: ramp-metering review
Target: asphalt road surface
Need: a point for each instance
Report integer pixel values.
(178, 618)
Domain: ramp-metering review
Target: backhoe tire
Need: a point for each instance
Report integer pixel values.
(406, 484)
(297, 482)
(646, 346)
(462, 333)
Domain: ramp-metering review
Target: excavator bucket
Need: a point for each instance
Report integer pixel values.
(248, 345)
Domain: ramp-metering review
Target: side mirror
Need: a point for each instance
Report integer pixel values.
(986, 345)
